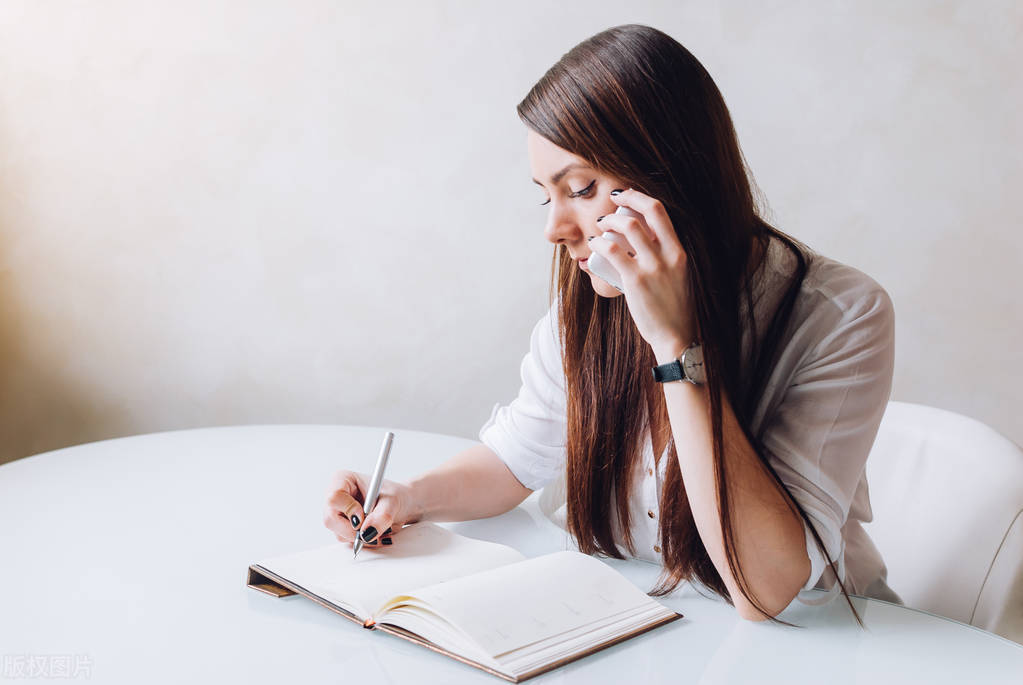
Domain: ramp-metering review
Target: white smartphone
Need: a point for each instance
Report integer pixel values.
(603, 268)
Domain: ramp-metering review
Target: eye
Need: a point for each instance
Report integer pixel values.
(579, 193)
(585, 191)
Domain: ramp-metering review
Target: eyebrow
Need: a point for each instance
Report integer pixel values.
(561, 174)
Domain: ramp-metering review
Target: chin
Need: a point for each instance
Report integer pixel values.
(603, 288)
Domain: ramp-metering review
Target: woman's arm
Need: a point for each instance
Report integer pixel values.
(473, 484)
(769, 537)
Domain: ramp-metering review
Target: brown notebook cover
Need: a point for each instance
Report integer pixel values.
(266, 581)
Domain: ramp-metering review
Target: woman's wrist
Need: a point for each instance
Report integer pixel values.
(417, 502)
(669, 351)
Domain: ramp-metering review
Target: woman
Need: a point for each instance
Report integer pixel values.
(749, 477)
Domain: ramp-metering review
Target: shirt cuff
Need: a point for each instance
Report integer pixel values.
(533, 471)
(820, 572)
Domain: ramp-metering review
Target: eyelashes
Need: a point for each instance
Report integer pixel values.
(585, 191)
(579, 193)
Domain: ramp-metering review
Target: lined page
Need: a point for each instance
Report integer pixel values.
(506, 608)
(424, 553)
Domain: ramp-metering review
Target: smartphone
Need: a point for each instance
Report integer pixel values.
(600, 266)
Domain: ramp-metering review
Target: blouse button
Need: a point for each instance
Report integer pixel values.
(657, 548)
(650, 513)
(650, 471)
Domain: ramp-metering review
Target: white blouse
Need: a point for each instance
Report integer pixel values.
(823, 403)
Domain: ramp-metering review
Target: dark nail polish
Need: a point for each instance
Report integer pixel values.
(601, 217)
(369, 534)
(355, 521)
(590, 238)
(617, 191)
(386, 532)
(387, 541)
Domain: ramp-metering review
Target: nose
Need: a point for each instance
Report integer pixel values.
(562, 226)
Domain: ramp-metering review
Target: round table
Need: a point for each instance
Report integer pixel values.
(124, 561)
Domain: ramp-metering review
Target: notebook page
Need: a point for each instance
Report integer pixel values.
(424, 553)
(509, 607)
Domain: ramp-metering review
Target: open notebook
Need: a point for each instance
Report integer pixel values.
(479, 602)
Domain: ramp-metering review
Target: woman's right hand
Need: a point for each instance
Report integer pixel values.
(345, 518)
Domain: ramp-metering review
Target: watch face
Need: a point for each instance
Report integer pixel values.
(692, 362)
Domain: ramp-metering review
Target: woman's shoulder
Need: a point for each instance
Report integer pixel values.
(848, 289)
(831, 290)
(839, 295)
(839, 311)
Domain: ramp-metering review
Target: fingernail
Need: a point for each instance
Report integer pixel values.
(386, 532)
(617, 191)
(355, 521)
(387, 541)
(369, 534)
(601, 217)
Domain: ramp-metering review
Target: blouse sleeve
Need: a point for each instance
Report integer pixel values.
(819, 438)
(529, 434)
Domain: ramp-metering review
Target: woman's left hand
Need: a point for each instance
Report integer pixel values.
(655, 280)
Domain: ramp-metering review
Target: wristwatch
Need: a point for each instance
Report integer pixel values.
(688, 367)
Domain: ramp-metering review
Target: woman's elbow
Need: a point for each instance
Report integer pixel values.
(776, 599)
(748, 612)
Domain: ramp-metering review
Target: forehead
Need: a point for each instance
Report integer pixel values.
(546, 158)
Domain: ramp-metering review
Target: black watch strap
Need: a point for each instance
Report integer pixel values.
(672, 371)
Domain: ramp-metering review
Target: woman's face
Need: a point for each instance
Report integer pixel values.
(575, 195)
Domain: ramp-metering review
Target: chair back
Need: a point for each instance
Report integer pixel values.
(946, 493)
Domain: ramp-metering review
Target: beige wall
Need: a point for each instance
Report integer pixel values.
(237, 212)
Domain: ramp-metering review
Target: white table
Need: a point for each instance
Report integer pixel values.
(124, 562)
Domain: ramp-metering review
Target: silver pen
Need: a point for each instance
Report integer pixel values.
(374, 486)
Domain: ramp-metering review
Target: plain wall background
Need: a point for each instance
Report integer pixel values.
(224, 212)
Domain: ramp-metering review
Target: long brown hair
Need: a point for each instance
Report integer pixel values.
(635, 104)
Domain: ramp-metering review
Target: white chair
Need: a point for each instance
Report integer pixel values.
(947, 496)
